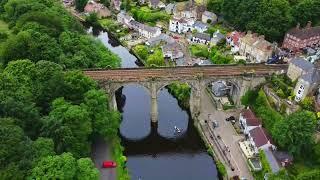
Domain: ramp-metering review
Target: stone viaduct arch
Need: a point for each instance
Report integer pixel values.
(244, 78)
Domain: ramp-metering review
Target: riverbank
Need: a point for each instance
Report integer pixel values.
(120, 159)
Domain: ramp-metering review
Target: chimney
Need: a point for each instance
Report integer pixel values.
(308, 25)
(298, 26)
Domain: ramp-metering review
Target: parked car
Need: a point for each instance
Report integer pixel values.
(230, 118)
(109, 164)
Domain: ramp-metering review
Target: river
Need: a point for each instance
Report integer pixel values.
(154, 151)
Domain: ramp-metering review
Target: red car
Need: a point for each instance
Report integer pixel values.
(109, 164)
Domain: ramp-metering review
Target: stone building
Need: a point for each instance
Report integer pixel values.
(298, 67)
(255, 48)
(298, 38)
(308, 77)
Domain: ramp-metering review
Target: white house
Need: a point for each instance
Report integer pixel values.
(145, 30)
(201, 38)
(248, 121)
(200, 26)
(181, 25)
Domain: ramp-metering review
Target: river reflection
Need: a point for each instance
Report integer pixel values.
(136, 108)
(157, 153)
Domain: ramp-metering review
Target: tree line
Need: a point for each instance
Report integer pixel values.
(49, 111)
(271, 18)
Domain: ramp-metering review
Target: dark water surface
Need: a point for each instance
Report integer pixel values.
(154, 151)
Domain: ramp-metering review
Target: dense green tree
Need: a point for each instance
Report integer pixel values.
(48, 83)
(93, 19)
(62, 166)
(15, 150)
(69, 126)
(16, 97)
(156, 59)
(80, 4)
(104, 123)
(87, 170)
(309, 175)
(43, 147)
(273, 19)
(214, 5)
(65, 166)
(141, 51)
(11, 137)
(306, 10)
(76, 85)
(48, 20)
(36, 46)
(296, 132)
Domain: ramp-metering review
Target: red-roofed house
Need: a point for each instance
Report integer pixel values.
(232, 40)
(259, 139)
(248, 121)
(298, 38)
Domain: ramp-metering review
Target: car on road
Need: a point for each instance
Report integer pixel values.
(109, 164)
(231, 118)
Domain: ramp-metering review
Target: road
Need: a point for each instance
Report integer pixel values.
(229, 137)
(100, 153)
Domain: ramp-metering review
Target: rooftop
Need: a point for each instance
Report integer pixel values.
(305, 33)
(200, 24)
(252, 39)
(250, 117)
(202, 36)
(209, 14)
(301, 63)
(259, 137)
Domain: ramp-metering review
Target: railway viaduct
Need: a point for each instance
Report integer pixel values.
(243, 78)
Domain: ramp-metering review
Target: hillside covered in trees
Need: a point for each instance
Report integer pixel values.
(271, 18)
(49, 111)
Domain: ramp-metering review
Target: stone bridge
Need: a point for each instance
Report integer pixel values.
(243, 78)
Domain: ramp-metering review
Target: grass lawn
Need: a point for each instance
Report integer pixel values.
(3, 26)
(222, 29)
(149, 16)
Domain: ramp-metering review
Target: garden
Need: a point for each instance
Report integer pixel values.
(149, 56)
(114, 27)
(149, 16)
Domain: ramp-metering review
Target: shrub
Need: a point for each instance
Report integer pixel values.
(221, 169)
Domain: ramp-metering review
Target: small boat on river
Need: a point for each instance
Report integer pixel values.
(177, 130)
